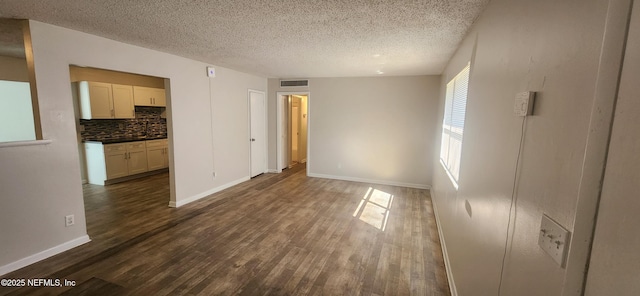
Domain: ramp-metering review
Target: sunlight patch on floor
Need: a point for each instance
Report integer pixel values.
(374, 208)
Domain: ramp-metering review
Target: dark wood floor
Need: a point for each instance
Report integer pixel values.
(277, 234)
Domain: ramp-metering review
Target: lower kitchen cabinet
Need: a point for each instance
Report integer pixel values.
(137, 157)
(115, 161)
(157, 154)
(111, 161)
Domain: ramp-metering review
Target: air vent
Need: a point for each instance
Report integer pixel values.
(293, 83)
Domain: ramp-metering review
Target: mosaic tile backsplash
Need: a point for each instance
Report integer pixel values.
(147, 123)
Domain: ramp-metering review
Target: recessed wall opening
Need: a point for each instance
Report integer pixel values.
(123, 146)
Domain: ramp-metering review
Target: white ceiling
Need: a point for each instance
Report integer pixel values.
(276, 38)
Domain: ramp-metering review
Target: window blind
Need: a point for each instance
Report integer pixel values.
(453, 123)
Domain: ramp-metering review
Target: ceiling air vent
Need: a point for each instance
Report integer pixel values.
(293, 83)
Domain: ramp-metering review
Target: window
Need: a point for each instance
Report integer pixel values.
(453, 124)
(19, 115)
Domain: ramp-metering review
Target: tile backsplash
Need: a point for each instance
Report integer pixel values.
(147, 123)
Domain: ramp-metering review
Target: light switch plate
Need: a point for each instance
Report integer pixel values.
(523, 105)
(553, 239)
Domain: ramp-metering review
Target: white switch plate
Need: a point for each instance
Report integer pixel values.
(524, 103)
(553, 239)
(211, 71)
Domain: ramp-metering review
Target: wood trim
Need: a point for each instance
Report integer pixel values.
(28, 51)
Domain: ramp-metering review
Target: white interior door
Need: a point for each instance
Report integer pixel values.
(283, 118)
(294, 133)
(257, 132)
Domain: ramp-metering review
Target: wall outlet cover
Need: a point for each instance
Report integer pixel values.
(69, 220)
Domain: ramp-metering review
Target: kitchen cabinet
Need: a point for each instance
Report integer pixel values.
(105, 101)
(157, 154)
(116, 165)
(110, 161)
(149, 96)
(136, 157)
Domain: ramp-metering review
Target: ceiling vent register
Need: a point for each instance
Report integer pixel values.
(294, 83)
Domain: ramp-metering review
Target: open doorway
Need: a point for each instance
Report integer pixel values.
(293, 129)
(123, 146)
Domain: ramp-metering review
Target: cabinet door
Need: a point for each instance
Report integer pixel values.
(155, 158)
(159, 97)
(166, 157)
(137, 162)
(101, 100)
(115, 157)
(148, 96)
(123, 101)
(142, 96)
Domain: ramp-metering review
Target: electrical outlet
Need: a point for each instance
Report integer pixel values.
(69, 220)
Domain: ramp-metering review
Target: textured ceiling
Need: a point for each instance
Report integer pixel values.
(276, 38)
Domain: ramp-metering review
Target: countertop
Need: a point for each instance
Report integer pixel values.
(123, 140)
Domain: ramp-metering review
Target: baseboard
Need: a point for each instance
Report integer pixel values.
(176, 204)
(372, 181)
(44, 254)
(443, 246)
(272, 171)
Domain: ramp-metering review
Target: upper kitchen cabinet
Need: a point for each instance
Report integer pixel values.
(149, 96)
(123, 101)
(105, 101)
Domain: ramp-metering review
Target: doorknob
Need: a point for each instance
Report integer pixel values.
(253, 140)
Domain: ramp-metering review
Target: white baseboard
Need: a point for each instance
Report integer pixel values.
(44, 254)
(373, 181)
(176, 204)
(443, 246)
(273, 171)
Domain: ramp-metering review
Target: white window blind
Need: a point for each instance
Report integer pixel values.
(453, 123)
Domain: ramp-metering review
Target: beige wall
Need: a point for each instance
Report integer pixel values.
(377, 129)
(552, 47)
(615, 260)
(13, 69)
(42, 183)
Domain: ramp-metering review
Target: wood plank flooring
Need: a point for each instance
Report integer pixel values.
(277, 234)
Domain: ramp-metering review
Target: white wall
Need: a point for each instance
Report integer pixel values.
(615, 260)
(41, 184)
(375, 129)
(552, 47)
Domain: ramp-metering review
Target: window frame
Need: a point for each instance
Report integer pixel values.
(453, 122)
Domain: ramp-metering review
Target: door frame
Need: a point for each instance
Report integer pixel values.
(264, 124)
(280, 142)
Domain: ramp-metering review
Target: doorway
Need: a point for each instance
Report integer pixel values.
(293, 129)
